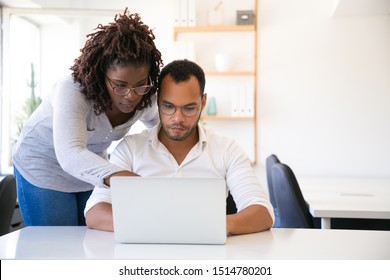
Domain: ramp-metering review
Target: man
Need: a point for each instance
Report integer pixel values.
(179, 146)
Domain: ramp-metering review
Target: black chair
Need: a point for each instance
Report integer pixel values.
(293, 210)
(7, 203)
(269, 162)
(230, 205)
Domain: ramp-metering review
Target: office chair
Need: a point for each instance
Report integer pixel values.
(230, 205)
(293, 209)
(7, 203)
(269, 162)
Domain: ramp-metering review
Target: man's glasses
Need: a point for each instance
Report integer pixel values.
(122, 90)
(169, 109)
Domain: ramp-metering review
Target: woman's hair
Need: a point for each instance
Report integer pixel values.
(126, 41)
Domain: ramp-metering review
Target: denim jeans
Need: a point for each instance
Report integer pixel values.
(44, 207)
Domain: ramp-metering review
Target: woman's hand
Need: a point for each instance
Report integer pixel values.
(120, 173)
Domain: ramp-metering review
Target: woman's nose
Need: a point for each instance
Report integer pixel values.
(132, 95)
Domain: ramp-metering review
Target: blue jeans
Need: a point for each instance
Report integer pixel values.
(43, 207)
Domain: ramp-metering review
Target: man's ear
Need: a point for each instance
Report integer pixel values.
(204, 100)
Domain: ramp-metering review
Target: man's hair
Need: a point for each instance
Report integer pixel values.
(126, 41)
(181, 71)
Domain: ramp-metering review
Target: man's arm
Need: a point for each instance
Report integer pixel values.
(252, 219)
(100, 217)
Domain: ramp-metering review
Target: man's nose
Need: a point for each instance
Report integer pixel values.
(178, 114)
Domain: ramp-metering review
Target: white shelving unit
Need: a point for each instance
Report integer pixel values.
(234, 90)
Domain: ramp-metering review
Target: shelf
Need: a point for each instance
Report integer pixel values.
(225, 118)
(236, 87)
(212, 28)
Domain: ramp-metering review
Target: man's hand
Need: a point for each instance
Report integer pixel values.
(100, 217)
(252, 219)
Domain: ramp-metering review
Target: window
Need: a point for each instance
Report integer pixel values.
(33, 48)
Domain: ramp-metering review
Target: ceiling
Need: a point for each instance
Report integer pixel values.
(68, 4)
(64, 9)
(19, 3)
(341, 7)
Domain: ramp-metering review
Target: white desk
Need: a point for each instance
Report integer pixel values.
(347, 198)
(82, 243)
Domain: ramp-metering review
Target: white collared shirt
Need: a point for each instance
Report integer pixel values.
(213, 156)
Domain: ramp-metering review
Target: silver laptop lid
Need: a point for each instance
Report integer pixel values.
(169, 210)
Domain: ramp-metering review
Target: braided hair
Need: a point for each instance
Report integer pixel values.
(125, 41)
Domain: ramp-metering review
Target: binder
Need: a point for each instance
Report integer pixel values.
(250, 102)
(183, 13)
(235, 99)
(176, 15)
(191, 12)
(242, 101)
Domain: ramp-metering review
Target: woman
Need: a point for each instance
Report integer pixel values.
(62, 151)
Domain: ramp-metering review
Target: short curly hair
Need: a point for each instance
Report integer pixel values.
(181, 70)
(126, 41)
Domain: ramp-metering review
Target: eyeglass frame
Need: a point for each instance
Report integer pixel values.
(181, 109)
(130, 89)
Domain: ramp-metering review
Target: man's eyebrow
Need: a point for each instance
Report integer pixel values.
(188, 104)
(191, 104)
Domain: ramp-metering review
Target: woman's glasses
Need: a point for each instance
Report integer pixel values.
(123, 91)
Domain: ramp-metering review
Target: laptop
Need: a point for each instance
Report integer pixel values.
(169, 210)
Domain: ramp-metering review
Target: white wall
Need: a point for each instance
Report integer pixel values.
(324, 90)
(324, 84)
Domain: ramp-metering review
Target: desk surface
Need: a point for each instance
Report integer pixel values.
(347, 198)
(275, 244)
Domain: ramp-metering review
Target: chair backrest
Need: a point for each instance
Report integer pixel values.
(230, 205)
(269, 162)
(293, 210)
(7, 203)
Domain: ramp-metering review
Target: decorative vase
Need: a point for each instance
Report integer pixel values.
(211, 106)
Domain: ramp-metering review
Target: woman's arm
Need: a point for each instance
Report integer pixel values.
(120, 173)
(79, 135)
